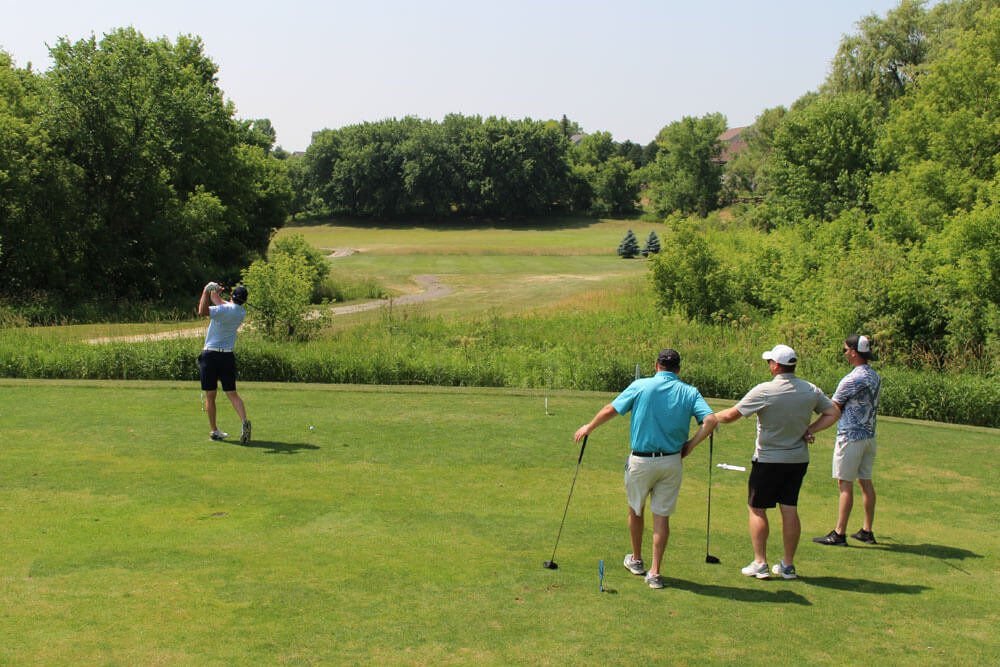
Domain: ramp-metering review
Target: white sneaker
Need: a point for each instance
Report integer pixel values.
(654, 580)
(217, 435)
(786, 571)
(634, 566)
(755, 569)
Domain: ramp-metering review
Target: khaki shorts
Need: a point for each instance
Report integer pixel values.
(658, 478)
(853, 459)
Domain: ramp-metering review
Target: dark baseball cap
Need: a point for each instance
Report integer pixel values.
(240, 294)
(668, 358)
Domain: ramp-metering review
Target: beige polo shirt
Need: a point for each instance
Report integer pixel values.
(784, 408)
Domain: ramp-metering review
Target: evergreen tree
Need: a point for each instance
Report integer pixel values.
(629, 247)
(652, 244)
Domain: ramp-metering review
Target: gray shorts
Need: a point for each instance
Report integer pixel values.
(853, 459)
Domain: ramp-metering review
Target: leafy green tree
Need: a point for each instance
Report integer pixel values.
(823, 156)
(513, 168)
(39, 192)
(264, 132)
(944, 140)
(630, 151)
(651, 245)
(163, 187)
(885, 56)
(615, 187)
(629, 247)
(685, 176)
(298, 181)
(649, 153)
(593, 149)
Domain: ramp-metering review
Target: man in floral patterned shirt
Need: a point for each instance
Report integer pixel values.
(854, 451)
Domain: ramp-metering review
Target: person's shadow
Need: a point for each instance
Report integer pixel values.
(277, 447)
(940, 551)
(735, 593)
(864, 585)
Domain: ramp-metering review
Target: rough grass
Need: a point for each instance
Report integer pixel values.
(411, 524)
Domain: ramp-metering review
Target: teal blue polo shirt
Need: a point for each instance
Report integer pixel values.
(661, 407)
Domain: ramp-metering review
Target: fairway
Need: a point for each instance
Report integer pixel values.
(410, 527)
(514, 268)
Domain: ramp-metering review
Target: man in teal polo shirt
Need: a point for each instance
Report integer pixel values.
(661, 407)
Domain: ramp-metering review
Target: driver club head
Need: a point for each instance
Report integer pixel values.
(550, 565)
(711, 559)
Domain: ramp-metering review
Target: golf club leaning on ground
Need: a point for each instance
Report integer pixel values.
(551, 563)
(709, 558)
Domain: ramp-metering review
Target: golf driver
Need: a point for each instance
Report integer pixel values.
(551, 564)
(709, 558)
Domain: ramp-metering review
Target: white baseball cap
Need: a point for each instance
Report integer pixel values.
(861, 344)
(782, 354)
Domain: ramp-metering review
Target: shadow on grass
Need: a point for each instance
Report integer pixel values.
(277, 447)
(738, 594)
(941, 552)
(931, 550)
(525, 223)
(864, 585)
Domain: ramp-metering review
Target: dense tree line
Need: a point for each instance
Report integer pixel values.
(466, 166)
(123, 172)
(881, 196)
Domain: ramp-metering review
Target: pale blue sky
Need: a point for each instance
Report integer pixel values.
(628, 67)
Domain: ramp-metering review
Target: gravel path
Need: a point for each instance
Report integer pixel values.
(432, 289)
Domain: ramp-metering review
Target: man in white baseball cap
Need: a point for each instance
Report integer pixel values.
(857, 397)
(784, 407)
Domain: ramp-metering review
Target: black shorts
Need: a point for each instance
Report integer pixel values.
(217, 367)
(773, 483)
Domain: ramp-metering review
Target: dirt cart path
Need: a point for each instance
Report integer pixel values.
(432, 289)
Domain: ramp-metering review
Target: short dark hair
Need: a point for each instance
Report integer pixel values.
(786, 368)
(669, 359)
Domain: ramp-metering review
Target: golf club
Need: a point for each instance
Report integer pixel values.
(709, 558)
(551, 564)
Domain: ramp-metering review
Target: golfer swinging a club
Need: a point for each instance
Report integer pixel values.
(217, 362)
(661, 407)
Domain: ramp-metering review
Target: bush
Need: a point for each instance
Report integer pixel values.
(296, 247)
(278, 303)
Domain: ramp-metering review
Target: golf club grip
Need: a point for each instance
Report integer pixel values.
(582, 447)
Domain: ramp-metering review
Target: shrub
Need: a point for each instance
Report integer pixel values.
(278, 303)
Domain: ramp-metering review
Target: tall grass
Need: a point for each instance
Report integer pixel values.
(593, 343)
